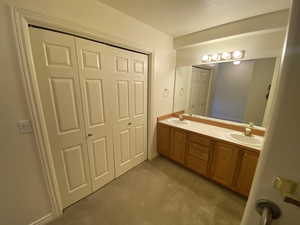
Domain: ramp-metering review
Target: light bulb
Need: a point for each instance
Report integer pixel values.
(236, 62)
(215, 57)
(237, 54)
(205, 58)
(226, 55)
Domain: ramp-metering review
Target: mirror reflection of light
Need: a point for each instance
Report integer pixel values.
(237, 54)
(205, 58)
(226, 55)
(215, 57)
(237, 62)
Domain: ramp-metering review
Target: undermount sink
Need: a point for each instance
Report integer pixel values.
(178, 121)
(250, 140)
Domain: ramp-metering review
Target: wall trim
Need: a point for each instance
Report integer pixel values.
(21, 18)
(43, 220)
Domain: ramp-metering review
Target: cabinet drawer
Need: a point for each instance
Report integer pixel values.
(198, 151)
(196, 164)
(199, 139)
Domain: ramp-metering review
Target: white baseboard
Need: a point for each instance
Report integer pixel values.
(43, 220)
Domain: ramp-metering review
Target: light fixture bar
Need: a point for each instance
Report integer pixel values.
(224, 56)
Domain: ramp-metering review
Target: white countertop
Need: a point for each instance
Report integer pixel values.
(213, 131)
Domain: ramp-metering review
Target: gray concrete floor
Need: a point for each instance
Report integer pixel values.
(157, 192)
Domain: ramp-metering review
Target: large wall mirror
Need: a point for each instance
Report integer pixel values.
(236, 91)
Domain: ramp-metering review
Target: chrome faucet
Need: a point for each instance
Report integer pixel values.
(180, 116)
(249, 129)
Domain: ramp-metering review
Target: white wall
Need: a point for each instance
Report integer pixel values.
(274, 20)
(259, 45)
(23, 195)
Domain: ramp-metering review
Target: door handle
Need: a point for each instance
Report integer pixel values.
(268, 210)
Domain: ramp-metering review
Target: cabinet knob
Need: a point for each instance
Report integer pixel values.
(129, 123)
(90, 135)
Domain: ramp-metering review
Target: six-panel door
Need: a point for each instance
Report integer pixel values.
(88, 90)
(95, 89)
(59, 88)
(128, 71)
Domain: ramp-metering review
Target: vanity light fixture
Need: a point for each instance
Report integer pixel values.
(226, 55)
(237, 54)
(237, 62)
(205, 58)
(215, 57)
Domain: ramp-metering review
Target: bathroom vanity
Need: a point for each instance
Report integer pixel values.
(217, 99)
(223, 155)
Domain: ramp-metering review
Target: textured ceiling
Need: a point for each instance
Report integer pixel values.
(179, 17)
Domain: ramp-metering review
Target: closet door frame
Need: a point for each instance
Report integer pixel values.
(21, 19)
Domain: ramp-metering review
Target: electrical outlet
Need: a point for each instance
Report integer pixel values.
(24, 126)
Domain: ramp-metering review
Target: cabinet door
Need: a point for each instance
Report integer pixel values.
(178, 145)
(246, 172)
(163, 139)
(224, 163)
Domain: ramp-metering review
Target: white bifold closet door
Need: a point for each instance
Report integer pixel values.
(129, 75)
(95, 89)
(75, 102)
(94, 103)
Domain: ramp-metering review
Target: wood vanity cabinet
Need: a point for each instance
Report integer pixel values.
(228, 164)
(163, 139)
(198, 154)
(246, 171)
(224, 163)
(178, 145)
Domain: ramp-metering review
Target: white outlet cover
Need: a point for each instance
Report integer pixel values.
(166, 92)
(24, 126)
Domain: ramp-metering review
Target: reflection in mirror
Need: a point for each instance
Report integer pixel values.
(235, 91)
